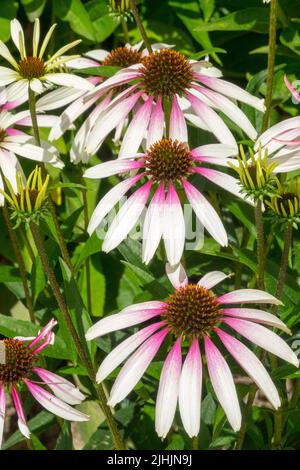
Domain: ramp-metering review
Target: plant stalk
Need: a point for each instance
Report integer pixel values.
(140, 25)
(87, 262)
(260, 245)
(271, 62)
(80, 343)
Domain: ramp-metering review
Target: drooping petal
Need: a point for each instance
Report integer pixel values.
(168, 389)
(17, 90)
(43, 333)
(156, 124)
(252, 365)
(215, 124)
(249, 296)
(54, 404)
(5, 53)
(173, 226)
(109, 200)
(178, 128)
(21, 417)
(264, 338)
(2, 412)
(103, 170)
(290, 87)
(213, 278)
(36, 85)
(68, 79)
(136, 131)
(276, 130)
(232, 91)
(223, 180)
(109, 120)
(124, 349)
(206, 213)
(134, 368)
(177, 275)
(223, 384)
(58, 98)
(258, 316)
(152, 227)
(214, 150)
(190, 389)
(126, 218)
(17, 36)
(129, 316)
(61, 387)
(8, 76)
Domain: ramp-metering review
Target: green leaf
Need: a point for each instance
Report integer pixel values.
(91, 246)
(103, 22)
(97, 286)
(76, 14)
(37, 444)
(176, 443)
(249, 19)
(7, 14)
(103, 71)
(38, 424)
(100, 440)
(33, 8)
(38, 279)
(65, 439)
(9, 274)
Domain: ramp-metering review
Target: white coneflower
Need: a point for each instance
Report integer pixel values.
(33, 70)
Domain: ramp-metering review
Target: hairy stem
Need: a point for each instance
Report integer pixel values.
(283, 264)
(125, 29)
(260, 245)
(21, 264)
(271, 62)
(80, 343)
(60, 236)
(87, 262)
(140, 26)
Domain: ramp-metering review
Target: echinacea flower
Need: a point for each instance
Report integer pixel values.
(118, 57)
(19, 367)
(190, 89)
(32, 70)
(193, 315)
(15, 142)
(282, 141)
(165, 168)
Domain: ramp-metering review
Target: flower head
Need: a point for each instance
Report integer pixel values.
(30, 202)
(15, 142)
(166, 78)
(164, 168)
(193, 316)
(19, 367)
(33, 70)
(119, 6)
(286, 203)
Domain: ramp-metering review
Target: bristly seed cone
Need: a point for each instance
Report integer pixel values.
(122, 57)
(19, 361)
(32, 67)
(166, 73)
(168, 159)
(192, 311)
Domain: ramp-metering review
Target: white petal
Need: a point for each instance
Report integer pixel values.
(190, 389)
(167, 394)
(173, 226)
(126, 218)
(109, 200)
(215, 150)
(223, 180)
(277, 129)
(156, 124)
(206, 214)
(103, 170)
(152, 227)
(259, 316)
(178, 129)
(177, 275)
(136, 130)
(17, 90)
(58, 98)
(4, 52)
(252, 365)
(124, 319)
(54, 404)
(223, 384)
(97, 54)
(17, 34)
(109, 120)
(36, 85)
(124, 349)
(61, 387)
(134, 368)
(213, 278)
(250, 296)
(67, 79)
(8, 76)
(264, 338)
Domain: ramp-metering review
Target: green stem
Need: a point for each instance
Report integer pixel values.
(242, 432)
(80, 343)
(87, 262)
(195, 443)
(271, 62)
(140, 26)
(60, 236)
(21, 264)
(125, 29)
(260, 245)
(283, 264)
